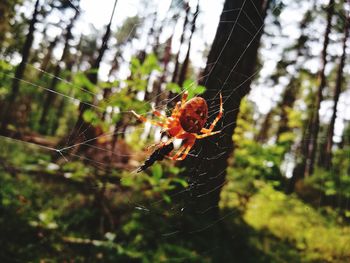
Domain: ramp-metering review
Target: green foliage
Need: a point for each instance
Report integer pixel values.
(92, 117)
(336, 181)
(160, 182)
(316, 237)
(84, 90)
(127, 102)
(253, 160)
(8, 29)
(140, 72)
(52, 219)
(189, 85)
(6, 70)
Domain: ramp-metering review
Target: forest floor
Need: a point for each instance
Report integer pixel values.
(52, 205)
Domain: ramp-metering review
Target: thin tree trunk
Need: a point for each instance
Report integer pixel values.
(291, 91)
(155, 48)
(182, 38)
(185, 64)
(288, 99)
(263, 134)
(46, 60)
(150, 35)
(232, 58)
(106, 93)
(81, 125)
(51, 96)
(345, 139)
(62, 104)
(166, 58)
(327, 158)
(315, 122)
(298, 170)
(20, 69)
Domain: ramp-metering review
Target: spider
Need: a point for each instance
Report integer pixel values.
(186, 122)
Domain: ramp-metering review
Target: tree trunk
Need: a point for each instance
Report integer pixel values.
(158, 84)
(106, 94)
(50, 98)
(298, 171)
(327, 156)
(315, 122)
(345, 139)
(62, 104)
(291, 91)
(184, 68)
(288, 98)
(263, 134)
(182, 38)
(81, 125)
(46, 60)
(230, 69)
(20, 69)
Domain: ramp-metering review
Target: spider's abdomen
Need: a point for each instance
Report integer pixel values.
(194, 115)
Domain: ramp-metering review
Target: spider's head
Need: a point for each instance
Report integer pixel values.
(194, 115)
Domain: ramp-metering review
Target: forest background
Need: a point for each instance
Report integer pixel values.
(272, 186)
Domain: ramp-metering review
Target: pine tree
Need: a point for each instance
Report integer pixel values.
(19, 73)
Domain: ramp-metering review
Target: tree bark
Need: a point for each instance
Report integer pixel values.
(185, 64)
(288, 99)
(20, 69)
(263, 134)
(230, 68)
(315, 122)
(291, 91)
(158, 84)
(327, 156)
(61, 107)
(51, 96)
(46, 60)
(182, 38)
(81, 124)
(298, 171)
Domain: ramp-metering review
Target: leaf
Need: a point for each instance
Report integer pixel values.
(157, 171)
(91, 116)
(167, 198)
(181, 181)
(192, 88)
(174, 88)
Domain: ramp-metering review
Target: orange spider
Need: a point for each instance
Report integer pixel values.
(186, 122)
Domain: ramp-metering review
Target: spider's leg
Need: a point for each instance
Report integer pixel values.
(212, 126)
(201, 136)
(161, 144)
(158, 114)
(184, 98)
(188, 146)
(169, 141)
(176, 110)
(144, 119)
(205, 130)
(178, 153)
(155, 145)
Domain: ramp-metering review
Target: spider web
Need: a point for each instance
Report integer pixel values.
(150, 207)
